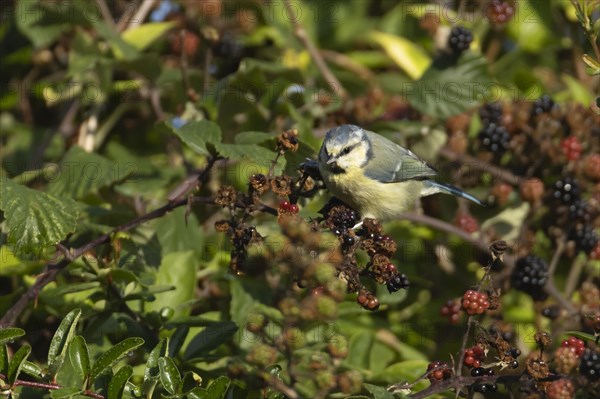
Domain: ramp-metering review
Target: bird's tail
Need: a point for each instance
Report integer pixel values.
(433, 187)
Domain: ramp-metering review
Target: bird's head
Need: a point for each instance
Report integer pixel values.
(345, 147)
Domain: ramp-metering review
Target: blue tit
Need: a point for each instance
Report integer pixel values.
(374, 175)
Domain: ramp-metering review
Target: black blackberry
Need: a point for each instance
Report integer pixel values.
(543, 105)
(530, 276)
(477, 372)
(460, 39)
(494, 138)
(589, 365)
(580, 211)
(566, 191)
(229, 46)
(396, 282)
(585, 238)
(490, 113)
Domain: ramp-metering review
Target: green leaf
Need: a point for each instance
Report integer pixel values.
(530, 30)
(359, 348)
(16, 363)
(507, 224)
(61, 340)
(82, 173)
(582, 335)
(218, 388)
(252, 137)
(200, 136)
(3, 359)
(379, 392)
(112, 356)
(178, 234)
(256, 153)
(405, 53)
(408, 370)
(444, 91)
(144, 35)
(177, 339)
(9, 334)
(79, 356)
(175, 270)
(159, 351)
(67, 392)
(210, 338)
(34, 219)
(32, 369)
(116, 386)
(169, 375)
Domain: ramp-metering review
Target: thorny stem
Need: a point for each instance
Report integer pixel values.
(42, 385)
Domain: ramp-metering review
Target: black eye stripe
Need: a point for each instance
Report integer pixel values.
(348, 149)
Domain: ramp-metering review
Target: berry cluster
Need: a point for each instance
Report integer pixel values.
(486, 387)
(460, 39)
(286, 207)
(530, 276)
(565, 360)
(499, 12)
(571, 147)
(585, 238)
(590, 365)
(474, 356)
(466, 222)
(397, 282)
(494, 138)
(451, 310)
(481, 371)
(566, 191)
(474, 302)
(543, 105)
(367, 300)
(575, 344)
(560, 389)
(490, 113)
(441, 371)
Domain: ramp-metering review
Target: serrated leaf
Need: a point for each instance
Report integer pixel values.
(79, 356)
(210, 338)
(82, 173)
(113, 355)
(218, 388)
(200, 136)
(62, 393)
(159, 351)
(116, 386)
(169, 375)
(34, 219)
(144, 35)
(261, 155)
(406, 54)
(9, 334)
(61, 339)
(447, 90)
(16, 363)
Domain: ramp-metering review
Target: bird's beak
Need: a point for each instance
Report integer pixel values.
(331, 160)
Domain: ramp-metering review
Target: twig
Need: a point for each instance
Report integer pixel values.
(42, 385)
(560, 248)
(348, 63)
(551, 290)
(299, 31)
(191, 181)
(280, 386)
(573, 277)
(106, 15)
(483, 166)
(126, 23)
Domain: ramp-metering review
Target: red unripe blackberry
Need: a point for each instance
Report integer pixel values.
(451, 310)
(474, 302)
(474, 356)
(530, 276)
(284, 205)
(499, 12)
(560, 389)
(443, 372)
(592, 166)
(574, 343)
(571, 148)
(466, 222)
(460, 39)
(294, 208)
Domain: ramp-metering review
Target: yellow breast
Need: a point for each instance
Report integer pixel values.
(373, 199)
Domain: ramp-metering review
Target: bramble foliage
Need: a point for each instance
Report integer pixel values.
(164, 232)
